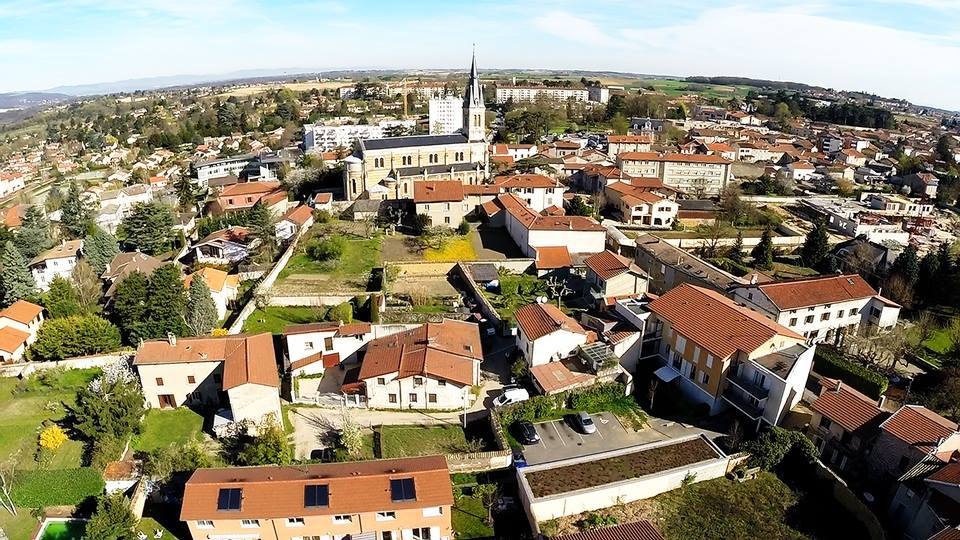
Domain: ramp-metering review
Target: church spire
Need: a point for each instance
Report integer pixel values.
(473, 96)
(473, 109)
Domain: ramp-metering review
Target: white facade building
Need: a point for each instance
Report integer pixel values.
(533, 93)
(446, 115)
(56, 261)
(545, 334)
(321, 138)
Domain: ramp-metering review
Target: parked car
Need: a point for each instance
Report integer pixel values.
(511, 395)
(585, 423)
(527, 433)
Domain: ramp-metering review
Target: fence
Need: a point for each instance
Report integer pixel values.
(486, 308)
(80, 362)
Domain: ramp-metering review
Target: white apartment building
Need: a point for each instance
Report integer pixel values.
(218, 168)
(857, 219)
(446, 115)
(56, 261)
(696, 174)
(533, 93)
(323, 138)
(898, 205)
(538, 191)
(822, 308)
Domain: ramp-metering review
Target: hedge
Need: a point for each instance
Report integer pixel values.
(39, 489)
(829, 362)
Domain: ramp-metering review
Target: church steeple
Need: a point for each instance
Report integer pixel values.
(473, 109)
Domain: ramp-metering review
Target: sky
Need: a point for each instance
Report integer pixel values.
(896, 48)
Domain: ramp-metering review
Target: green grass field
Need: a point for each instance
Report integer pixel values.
(939, 341)
(273, 319)
(469, 519)
(164, 427)
(403, 441)
(359, 256)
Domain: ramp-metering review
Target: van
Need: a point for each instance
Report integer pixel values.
(510, 396)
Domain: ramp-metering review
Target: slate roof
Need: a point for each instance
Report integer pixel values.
(412, 141)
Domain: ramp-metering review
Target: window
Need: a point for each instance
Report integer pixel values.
(446, 220)
(421, 533)
(386, 535)
(417, 381)
(392, 398)
(191, 379)
(316, 496)
(249, 523)
(402, 489)
(825, 317)
(704, 378)
(709, 360)
(204, 524)
(432, 398)
(874, 312)
(308, 345)
(295, 522)
(159, 381)
(229, 498)
(808, 319)
(386, 516)
(693, 373)
(825, 422)
(793, 321)
(840, 314)
(328, 343)
(381, 381)
(441, 382)
(413, 398)
(854, 311)
(759, 378)
(433, 511)
(342, 519)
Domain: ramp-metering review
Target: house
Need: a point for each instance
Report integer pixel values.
(243, 196)
(125, 264)
(628, 143)
(843, 425)
(926, 504)
(223, 287)
(822, 308)
(724, 354)
(387, 499)
(545, 334)
(696, 174)
(217, 168)
(433, 366)
(668, 266)
(537, 191)
(57, 261)
(922, 184)
(640, 206)
(908, 437)
(801, 170)
(321, 201)
(611, 276)
(237, 373)
(19, 324)
(532, 231)
(293, 221)
(852, 156)
(13, 215)
(226, 246)
(442, 201)
(313, 347)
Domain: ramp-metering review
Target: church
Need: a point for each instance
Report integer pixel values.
(387, 168)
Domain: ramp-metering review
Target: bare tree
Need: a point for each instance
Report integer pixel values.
(711, 236)
(8, 470)
(885, 350)
(926, 325)
(558, 288)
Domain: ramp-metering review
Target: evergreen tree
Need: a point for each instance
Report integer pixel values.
(61, 300)
(148, 228)
(927, 283)
(33, 236)
(16, 281)
(736, 250)
(262, 223)
(945, 259)
(816, 246)
(907, 265)
(130, 305)
(762, 253)
(112, 519)
(99, 249)
(201, 309)
(166, 302)
(185, 197)
(74, 336)
(76, 215)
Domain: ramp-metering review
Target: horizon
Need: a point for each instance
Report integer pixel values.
(892, 48)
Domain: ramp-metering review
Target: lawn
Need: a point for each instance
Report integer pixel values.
(19, 527)
(516, 290)
(359, 257)
(459, 248)
(787, 271)
(469, 519)
(403, 441)
(149, 526)
(163, 427)
(273, 319)
(939, 341)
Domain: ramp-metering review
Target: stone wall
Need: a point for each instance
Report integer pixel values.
(81, 362)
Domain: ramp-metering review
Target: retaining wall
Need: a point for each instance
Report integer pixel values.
(80, 362)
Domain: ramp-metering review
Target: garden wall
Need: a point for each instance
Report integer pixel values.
(484, 461)
(486, 308)
(79, 362)
(850, 502)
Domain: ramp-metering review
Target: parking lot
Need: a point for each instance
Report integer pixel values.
(560, 440)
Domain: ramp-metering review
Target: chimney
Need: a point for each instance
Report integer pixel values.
(172, 339)
(753, 278)
(882, 401)
(839, 386)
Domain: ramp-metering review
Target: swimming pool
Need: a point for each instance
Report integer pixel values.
(62, 530)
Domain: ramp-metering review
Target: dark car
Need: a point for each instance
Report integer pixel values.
(527, 433)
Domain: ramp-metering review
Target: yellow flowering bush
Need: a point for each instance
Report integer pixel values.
(52, 438)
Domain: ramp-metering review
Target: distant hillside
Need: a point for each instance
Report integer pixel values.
(761, 83)
(25, 100)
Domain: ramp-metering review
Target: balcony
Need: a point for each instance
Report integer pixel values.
(740, 402)
(749, 387)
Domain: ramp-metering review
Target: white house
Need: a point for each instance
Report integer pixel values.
(293, 221)
(545, 334)
(532, 231)
(56, 261)
(313, 347)
(536, 190)
(823, 307)
(223, 287)
(226, 246)
(19, 324)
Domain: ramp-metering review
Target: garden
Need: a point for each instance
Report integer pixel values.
(407, 441)
(332, 257)
(515, 291)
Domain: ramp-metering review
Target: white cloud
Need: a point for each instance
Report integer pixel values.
(567, 26)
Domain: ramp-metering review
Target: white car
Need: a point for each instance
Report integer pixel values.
(510, 396)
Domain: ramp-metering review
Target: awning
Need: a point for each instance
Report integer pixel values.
(666, 374)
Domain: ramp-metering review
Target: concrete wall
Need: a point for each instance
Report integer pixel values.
(79, 362)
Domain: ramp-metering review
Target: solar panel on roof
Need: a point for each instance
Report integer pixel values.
(229, 498)
(402, 489)
(316, 495)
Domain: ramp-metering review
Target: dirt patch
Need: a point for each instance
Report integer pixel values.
(614, 469)
(644, 509)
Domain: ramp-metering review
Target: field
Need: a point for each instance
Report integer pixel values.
(163, 427)
(347, 274)
(469, 518)
(456, 249)
(673, 88)
(403, 441)
(274, 318)
(295, 86)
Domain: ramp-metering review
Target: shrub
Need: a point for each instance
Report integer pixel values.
(775, 445)
(829, 362)
(322, 216)
(597, 397)
(327, 249)
(341, 312)
(464, 228)
(74, 336)
(56, 487)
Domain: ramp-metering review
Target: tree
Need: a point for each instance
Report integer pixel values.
(328, 249)
(130, 304)
(579, 207)
(201, 309)
(619, 124)
(99, 249)
(166, 302)
(487, 493)
(76, 216)
(927, 285)
(341, 312)
(61, 300)
(735, 253)
(268, 447)
(945, 151)
(351, 436)
(711, 240)
(16, 281)
(88, 286)
(186, 199)
(907, 265)
(944, 397)
(110, 407)
(816, 246)
(264, 227)
(844, 187)
(762, 253)
(112, 520)
(148, 228)
(421, 222)
(33, 236)
(77, 335)
(945, 260)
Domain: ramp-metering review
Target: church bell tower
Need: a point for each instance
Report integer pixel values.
(474, 113)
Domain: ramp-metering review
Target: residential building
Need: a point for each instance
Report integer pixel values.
(922, 184)
(628, 143)
(639, 205)
(647, 126)
(695, 174)
(387, 499)
(669, 266)
(724, 354)
(534, 93)
(599, 94)
(216, 168)
(237, 373)
(19, 324)
(446, 115)
(822, 308)
(906, 438)
(324, 138)
(243, 196)
(313, 347)
(843, 424)
(442, 201)
(515, 152)
(532, 231)
(223, 287)
(611, 277)
(57, 261)
(801, 171)
(855, 219)
(898, 205)
(926, 504)
(125, 264)
(537, 191)
(388, 168)
(545, 334)
(226, 246)
(433, 366)
(293, 221)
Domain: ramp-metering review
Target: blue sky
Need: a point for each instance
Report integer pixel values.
(897, 48)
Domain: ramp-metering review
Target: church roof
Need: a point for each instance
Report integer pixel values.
(435, 169)
(473, 94)
(412, 141)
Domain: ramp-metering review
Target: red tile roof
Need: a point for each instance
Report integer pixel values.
(640, 530)
(553, 210)
(246, 358)
(948, 474)
(815, 291)
(445, 350)
(552, 257)
(538, 320)
(556, 377)
(298, 215)
(950, 533)
(672, 157)
(428, 191)
(12, 339)
(715, 322)
(21, 311)
(329, 360)
(842, 404)
(608, 264)
(918, 427)
(353, 487)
